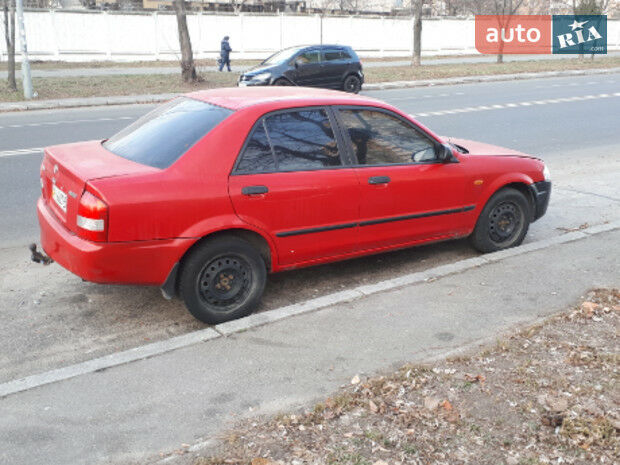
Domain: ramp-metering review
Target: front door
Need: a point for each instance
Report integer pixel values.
(406, 194)
(290, 181)
(309, 69)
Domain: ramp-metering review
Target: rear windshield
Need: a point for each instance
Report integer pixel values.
(160, 137)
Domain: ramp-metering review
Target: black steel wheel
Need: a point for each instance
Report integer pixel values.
(504, 221)
(352, 84)
(222, 280)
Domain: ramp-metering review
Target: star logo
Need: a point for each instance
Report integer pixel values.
(577, 25)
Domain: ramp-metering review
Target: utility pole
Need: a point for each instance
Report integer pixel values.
(26, 78)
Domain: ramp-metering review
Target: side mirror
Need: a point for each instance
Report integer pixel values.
(444, 153)
(298, 63)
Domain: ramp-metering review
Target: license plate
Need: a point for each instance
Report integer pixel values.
(59, 197)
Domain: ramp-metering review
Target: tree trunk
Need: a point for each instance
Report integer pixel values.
(188, 70)
(9, 37)
(417, 33)
(500, 58)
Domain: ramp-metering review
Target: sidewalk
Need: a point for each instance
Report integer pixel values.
(188, 395)
(119, 70)
(157, 98)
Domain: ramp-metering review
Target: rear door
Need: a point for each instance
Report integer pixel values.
(407, 195)
(292, 182)
(334, 67)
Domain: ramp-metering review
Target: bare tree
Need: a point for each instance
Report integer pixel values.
(503, 9)
(416, 6)
(9, 37)
(188, 70)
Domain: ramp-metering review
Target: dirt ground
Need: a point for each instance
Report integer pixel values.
(548, 394)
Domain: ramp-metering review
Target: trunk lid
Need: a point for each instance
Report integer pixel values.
(67, 168)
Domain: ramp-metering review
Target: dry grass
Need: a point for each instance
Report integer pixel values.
(409, 73)
(525, 400)
(66, 87)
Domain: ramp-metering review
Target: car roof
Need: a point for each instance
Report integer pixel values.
(279, 97)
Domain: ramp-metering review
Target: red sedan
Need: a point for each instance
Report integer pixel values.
(207, 193)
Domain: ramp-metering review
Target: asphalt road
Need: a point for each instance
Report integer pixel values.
(547, 130)
(52, 318)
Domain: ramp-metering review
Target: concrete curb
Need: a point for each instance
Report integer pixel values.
(271, 316)
(157, 98)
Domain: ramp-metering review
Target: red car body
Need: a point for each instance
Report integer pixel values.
(154, 216)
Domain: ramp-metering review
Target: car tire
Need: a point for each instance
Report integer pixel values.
(282, 82)
(503, 223)
(352, 84)
(222, 279)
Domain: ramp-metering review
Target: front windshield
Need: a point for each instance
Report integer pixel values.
(281, 57)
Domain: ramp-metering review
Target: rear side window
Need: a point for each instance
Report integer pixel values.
(257, 156)
(162, 136)
(294, 141)
(333, 55)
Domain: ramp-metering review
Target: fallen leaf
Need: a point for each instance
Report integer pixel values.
(262, 461)
(447, 406)
(372, 406)
(355, 380)
(380, 462)
(431, 403)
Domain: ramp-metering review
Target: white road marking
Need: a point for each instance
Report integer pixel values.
(12, 153)
(56, 123)
(516, 104)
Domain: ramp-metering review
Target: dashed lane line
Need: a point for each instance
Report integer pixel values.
(13, 153)
(515, 105)
(57, 123)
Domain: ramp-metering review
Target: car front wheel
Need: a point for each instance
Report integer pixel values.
(352, 83)
(503, 223)
(282, 82)
(222, 279)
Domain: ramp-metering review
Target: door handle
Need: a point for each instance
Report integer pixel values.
(379, 180)
(254, 190)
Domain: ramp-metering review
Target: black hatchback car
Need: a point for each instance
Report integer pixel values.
(329, 66)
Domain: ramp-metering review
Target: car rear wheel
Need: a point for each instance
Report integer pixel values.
(222, 280)
(503, 223)
(352, 83)
(282, 82)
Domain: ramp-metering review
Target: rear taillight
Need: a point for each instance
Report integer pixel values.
(92, 218)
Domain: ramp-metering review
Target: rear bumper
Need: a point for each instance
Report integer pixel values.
(541, 192)
(139, 262)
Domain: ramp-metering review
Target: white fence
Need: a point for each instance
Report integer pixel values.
(99, 36)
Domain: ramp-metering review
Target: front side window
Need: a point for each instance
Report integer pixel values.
(379, 138)
(309, 57)
(162, 136)
(293, 141)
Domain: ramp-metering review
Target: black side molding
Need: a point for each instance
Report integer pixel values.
(377, 221)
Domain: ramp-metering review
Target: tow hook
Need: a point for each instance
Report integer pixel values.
(39, 257)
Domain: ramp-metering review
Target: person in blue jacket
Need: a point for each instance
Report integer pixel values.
(225, 50)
